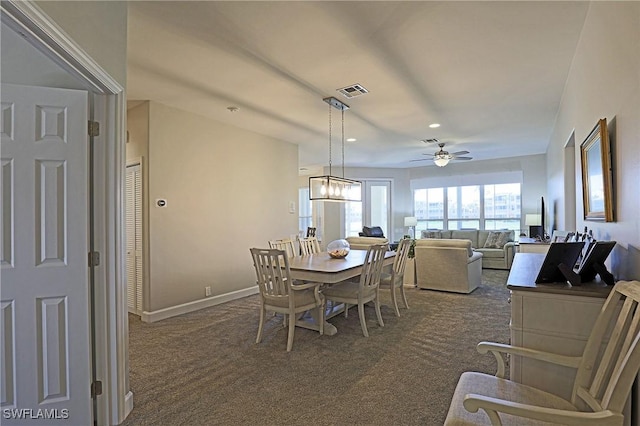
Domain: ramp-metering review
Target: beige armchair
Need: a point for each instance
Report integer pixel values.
(363, 243)
(448, 265)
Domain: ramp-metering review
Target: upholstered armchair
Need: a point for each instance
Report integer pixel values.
(448, 265)
(363, 243)
(368, 237)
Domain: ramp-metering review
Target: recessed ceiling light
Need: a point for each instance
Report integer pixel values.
(434, 125)
(351, 139)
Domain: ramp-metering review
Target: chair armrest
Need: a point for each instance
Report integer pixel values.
(474, 402)
(497, 349)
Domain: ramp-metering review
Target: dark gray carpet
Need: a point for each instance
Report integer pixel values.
(204, 368)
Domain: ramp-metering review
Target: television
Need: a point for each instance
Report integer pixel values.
(593, 263)
(542, 234)
(557, 266)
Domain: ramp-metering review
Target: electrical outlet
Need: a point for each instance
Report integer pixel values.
(207, 291)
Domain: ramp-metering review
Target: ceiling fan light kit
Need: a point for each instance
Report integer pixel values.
(329, 187)
(440, 161)
(442, 157)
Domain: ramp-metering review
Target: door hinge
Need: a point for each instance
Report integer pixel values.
(94, 128)
(94, 258)
(96, 388)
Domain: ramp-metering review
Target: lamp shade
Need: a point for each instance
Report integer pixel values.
(533, 219)
(410, 221)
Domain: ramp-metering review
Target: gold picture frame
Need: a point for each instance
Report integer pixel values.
(597, 188)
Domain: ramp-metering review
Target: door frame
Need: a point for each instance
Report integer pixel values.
(111, 322)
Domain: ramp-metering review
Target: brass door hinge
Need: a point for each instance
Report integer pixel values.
(96, 389)
(94, 258)
(94, 128)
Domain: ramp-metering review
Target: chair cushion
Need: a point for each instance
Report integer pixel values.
(346, 290)
(492, 253)
(301, 298)
(487, 385)
(497, 239)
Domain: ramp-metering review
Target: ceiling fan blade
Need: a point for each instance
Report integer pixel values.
(421, 159)
(462, 158)
(460, 153)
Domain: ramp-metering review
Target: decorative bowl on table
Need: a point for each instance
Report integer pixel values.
(338, 249)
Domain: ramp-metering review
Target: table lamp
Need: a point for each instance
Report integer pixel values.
(534, 222)
(411, 222)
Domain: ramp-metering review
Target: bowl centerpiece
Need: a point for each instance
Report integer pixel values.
(338, 249)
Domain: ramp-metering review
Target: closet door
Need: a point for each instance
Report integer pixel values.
(134, 238)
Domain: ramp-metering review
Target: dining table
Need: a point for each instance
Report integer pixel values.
(326, 270)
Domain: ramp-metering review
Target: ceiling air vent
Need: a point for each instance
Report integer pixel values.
(353, 91)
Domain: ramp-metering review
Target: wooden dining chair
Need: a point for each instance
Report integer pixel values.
(309, 245)
(395, 280)
(279, 294)
(285, 244)
(605, 373)
(365, 290)
(311, 231)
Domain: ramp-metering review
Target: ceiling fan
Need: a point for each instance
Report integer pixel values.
(442, 157)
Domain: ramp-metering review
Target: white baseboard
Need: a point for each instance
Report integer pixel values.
(128, 404)
(196, 305)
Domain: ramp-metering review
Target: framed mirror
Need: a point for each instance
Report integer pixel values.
(597, 188)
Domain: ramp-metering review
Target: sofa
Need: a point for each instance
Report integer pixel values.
(447, 265)
(497, 253)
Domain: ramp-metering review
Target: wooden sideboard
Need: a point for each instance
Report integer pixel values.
(531, 245)
(555, 318)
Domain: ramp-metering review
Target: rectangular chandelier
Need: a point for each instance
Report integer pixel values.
(333, 188)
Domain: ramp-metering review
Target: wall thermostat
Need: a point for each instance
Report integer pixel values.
(161, 202)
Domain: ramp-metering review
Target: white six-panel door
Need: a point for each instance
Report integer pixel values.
(44, 308)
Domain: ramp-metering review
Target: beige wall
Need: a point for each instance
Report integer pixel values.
(604, 82)
(100, 27)
(227, 190)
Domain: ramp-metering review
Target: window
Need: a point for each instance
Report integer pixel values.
(495, 206)
(305, 212)
(429, 208)
(502, 206)
(463, 207)
(353, 218)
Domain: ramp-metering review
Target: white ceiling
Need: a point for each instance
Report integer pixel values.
(491, 73)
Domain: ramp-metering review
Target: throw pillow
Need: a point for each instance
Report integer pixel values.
(497, 239)
(504, 238)
(430, 234)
